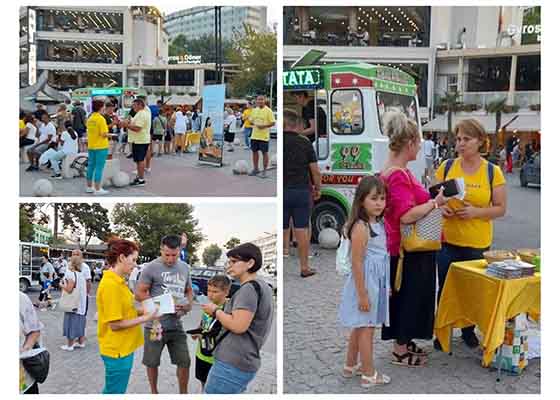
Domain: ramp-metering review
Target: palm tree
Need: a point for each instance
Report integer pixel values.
(450, 102)
(496, 107)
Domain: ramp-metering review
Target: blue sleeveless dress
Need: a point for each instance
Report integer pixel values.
(377, 281)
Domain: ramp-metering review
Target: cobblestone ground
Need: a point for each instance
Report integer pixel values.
(82, 371)
(315, 348)
(172, 175)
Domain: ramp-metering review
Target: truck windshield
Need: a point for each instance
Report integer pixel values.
(395, 102)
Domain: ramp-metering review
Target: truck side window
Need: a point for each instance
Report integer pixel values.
(395, 102)
(347, 112)
(322, 142)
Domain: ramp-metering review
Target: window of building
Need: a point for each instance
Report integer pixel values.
(154, 78)
(528, 75)
(66, 80)
(181, 78)
(489, 74)
(358, 26)
(347, 112)
(72, 51)
(452, 84)
(80, 21)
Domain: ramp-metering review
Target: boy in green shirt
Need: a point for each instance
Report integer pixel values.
(218, 289)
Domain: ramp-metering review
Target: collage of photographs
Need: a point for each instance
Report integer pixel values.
(279, 199)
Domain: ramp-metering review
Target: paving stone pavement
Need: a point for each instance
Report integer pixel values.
(82, 371)
(172, 175)
(315, 347)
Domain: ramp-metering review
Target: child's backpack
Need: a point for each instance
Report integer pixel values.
(344, 257)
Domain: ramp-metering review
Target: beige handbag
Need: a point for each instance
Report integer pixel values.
(70, 302)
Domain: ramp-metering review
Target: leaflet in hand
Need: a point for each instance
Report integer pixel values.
(451, 188)
(164, 302)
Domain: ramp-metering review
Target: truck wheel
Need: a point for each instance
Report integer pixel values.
(523, 179)
(23, 285)
(327, 214)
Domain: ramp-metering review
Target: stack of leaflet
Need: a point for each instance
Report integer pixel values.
(510, 269)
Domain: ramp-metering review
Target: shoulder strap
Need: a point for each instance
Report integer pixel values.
(257, 288)
(491, 179)
(448, 164)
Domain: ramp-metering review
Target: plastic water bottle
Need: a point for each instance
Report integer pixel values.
(202, 299)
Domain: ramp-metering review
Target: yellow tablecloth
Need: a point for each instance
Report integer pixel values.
(470, 297)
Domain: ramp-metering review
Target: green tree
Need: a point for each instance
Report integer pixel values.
(89, 220)
(450, 103)
(211, 254)
(254, 53)
(204, 46)
(233, 242)
(496, 107)
(25, 225)
(148, 223)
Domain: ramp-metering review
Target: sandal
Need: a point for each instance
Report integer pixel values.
(414, 349)
(411, 362)
(349, 372)
(374, 380)
(308, 273)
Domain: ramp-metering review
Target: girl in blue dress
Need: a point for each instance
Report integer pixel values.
(365, 297)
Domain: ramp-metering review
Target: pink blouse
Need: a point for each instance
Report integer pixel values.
(403, 193)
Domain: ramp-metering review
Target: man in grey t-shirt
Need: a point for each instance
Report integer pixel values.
(167, 274)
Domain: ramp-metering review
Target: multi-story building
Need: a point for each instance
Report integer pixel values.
(107, 47)
(480, 51)
(199, 21)
(487, 54)
(267, 244)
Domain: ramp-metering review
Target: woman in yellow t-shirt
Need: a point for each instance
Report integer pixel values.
(98, 148)
(118, 323)
(467, 226)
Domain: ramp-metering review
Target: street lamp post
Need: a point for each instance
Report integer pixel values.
(218, 40)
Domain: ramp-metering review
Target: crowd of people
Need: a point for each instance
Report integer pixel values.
(387, 287)
(229, 337)
(147, 131)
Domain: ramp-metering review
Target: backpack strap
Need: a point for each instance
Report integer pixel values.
(491, 179)
(448, 164)
(257, 288)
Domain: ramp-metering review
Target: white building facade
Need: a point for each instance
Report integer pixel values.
(199, 21)
(267, 244)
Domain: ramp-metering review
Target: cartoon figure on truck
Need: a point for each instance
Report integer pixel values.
(349, 101)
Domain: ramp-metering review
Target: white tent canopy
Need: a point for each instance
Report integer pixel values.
(523, 123)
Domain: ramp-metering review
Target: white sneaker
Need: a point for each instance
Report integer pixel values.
(67, 348)
(148, 170)
(81, 346)
(101, 192)
(90, 190)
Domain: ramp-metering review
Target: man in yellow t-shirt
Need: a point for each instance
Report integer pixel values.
(139, 137)
(262, 120)
(247, 127)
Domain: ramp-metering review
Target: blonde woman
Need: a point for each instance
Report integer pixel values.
(412, 307)
(74, 322)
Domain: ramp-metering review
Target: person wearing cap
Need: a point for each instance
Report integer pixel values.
(139, 137)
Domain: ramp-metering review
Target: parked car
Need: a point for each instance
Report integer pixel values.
(530, 172)
(201, 276)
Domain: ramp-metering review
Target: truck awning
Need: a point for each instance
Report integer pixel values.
(523, 122)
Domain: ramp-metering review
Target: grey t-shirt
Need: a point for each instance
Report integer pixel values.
(163, 279)
(239, 350)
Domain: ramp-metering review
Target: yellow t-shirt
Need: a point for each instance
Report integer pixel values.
(261, 116)
(96, 125)
(115, 302)
(476, 232)
(21, 124)
(245, 117)
(143, 119)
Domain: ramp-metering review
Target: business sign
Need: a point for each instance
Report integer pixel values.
(525, 31)
(186, 59)
(393, 75)
(328, 179)
(302, 79)
(351, 156)
(212, 138)
(106, 92)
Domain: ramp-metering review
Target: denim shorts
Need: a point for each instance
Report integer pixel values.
(259, 145)
(226, 379)
(297, 206)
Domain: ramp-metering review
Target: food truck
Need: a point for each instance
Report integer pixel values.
(30, 259)
(353, 98)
